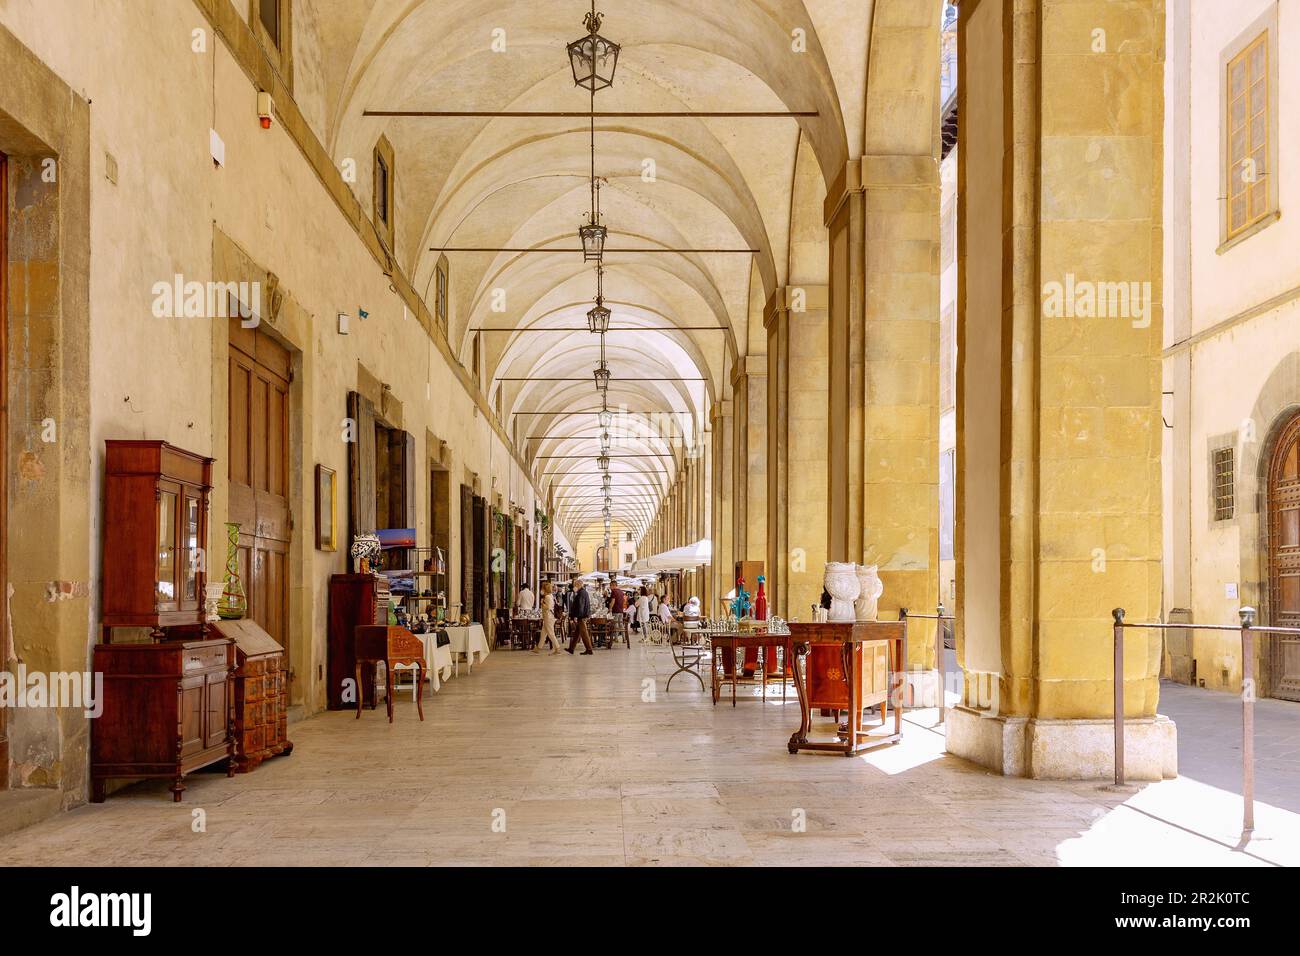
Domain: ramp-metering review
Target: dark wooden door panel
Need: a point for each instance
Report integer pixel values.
(259, 473)
(1284, 560)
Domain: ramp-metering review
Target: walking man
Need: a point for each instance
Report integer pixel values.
(579, 611)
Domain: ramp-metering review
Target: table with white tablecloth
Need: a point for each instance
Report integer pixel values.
(468, 640)
(439, 662)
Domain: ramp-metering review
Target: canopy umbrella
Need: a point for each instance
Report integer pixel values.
(684, 558)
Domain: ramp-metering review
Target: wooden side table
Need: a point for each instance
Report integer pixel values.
(393, 646)
(848, 639)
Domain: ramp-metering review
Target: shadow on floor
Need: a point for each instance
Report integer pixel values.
(1209, 742)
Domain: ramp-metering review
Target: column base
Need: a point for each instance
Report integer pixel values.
(1063, 749)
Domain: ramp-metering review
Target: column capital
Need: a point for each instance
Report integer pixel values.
(722, 408)
(751, 366)
(796, 297)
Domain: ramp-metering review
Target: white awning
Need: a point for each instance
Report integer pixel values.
(678, 559)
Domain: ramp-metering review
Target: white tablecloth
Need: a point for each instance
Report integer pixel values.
(437, 659)
(468, 641)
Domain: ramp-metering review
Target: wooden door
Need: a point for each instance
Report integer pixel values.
(1284, 561)
(4, 451)
(467, 570)
(259, 474)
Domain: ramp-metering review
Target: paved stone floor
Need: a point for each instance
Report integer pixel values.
(574, 766)
(1209, 742)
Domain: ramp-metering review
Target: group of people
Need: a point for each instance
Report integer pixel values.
(574, 605)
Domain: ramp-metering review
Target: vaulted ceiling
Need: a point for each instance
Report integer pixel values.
(680, 319)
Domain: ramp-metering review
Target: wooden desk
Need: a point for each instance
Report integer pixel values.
(850, 639)
(392, 645)
(730, 641)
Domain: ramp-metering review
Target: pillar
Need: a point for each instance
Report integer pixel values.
(797, 356)
(749, 495)
(722, 420)
(1058, 415)
(882, 214)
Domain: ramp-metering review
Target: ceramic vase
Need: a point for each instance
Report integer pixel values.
(234, 602)
(871, 587)
(842, 585)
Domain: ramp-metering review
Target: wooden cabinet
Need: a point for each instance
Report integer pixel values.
(826, 686)
(261, 695)
(167, 711)
(155, 533)
(355, 599)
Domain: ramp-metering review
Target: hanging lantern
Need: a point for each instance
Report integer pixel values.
(602, 377)
(603, 462)
(606, 418)
(598, 319)
(593, 241)
(593, 58)
(606, 481)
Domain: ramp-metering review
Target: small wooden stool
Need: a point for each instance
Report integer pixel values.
(392, 645)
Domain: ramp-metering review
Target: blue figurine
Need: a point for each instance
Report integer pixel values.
(740, 605)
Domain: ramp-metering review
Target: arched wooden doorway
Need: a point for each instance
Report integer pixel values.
(1284, 559)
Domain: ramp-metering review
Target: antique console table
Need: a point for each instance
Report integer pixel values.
(392, 646)
(731, 641)
(844, 679)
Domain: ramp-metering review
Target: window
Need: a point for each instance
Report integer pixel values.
(440, 293)
(268, 12)
(476, 359)
(1224, 499)
(1248, 113)
(1248, 136)
(384, 191)
(381, 190)
(272, 24)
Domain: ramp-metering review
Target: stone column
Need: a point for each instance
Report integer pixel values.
(1058, 415)
(720, 500)
(797, 350)
(883, 410)
(749, 498)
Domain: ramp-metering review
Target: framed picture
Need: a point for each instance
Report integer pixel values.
(326, 528)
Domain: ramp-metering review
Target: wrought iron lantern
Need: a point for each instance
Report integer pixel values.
(593, 58)
(598, 318)
(602, 377)
(603, 463)
(593, 236)
(606, 481)
(606, 418)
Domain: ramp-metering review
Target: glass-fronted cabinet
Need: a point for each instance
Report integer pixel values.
(155, 536)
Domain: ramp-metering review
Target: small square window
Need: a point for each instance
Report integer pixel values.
(1224, 482)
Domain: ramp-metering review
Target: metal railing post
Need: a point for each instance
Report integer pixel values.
(1118, 615)
(939, 664)
(902, 665)
(1247, 719)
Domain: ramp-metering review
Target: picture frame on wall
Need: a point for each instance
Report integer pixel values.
(326, 512)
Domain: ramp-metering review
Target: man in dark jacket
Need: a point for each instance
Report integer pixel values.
(579, 611)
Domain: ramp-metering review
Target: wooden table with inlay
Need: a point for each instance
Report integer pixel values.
(852, 641)
(392, 646)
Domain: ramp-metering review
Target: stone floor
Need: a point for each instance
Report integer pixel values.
(1209, 742)
(537, 760)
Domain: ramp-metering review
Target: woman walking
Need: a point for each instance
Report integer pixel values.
(642, 610)
(548, 620)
